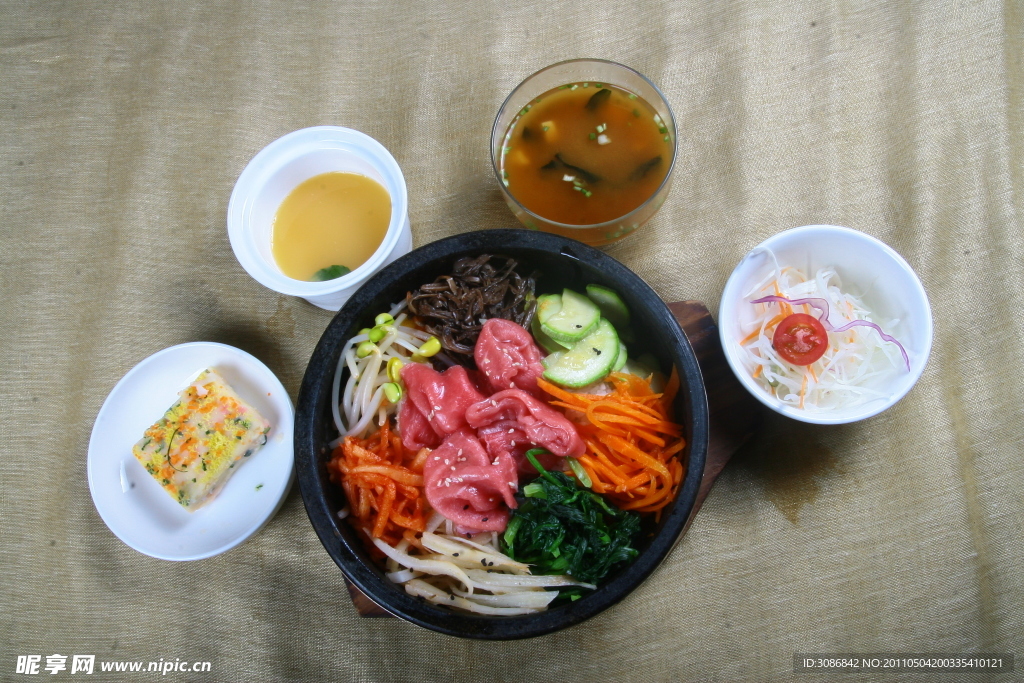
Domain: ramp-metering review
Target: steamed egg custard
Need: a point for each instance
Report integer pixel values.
(330, 225)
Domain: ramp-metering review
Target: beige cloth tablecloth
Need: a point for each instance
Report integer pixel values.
(123, 127)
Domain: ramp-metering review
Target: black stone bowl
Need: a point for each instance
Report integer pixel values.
(560, 262)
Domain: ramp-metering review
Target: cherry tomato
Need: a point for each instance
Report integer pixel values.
(800, 339)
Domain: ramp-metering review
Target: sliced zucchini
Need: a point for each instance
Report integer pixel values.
(611, 304)
(552, 358)
(541, 337)
(589, 360)
(577, 318)
(547, 306)
(650, 361)
(622, 358)
(644, 371)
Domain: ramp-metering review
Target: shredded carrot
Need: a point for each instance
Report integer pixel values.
(771, 323)
(757, 371)
(786, 309)
(383, 482)
(633, 446)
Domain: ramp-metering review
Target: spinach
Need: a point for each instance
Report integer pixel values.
(562, 528)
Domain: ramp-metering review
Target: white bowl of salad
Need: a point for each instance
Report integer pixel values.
(825, 324)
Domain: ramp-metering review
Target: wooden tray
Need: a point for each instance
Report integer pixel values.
(734, 414)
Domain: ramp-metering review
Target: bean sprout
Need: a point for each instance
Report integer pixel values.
(363, 398)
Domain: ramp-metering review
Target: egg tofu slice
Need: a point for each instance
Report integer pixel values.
(201, 440)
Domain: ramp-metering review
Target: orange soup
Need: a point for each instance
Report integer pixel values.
(330, 225)
(585, 153)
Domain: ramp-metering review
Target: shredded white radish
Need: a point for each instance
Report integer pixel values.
(856, 367)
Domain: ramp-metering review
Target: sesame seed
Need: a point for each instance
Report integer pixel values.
(453, 468)
(511, 430)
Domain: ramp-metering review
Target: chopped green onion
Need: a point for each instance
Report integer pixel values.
(580, 473)
(666, 138)
(384, 319)
(632, 96)
(585, 85)
(511, 529)
(599, 85)
(586, 192)
(574, 86)
(663, 129)
(365, 349)
(593, 135)
(534, 490)
(429, 347)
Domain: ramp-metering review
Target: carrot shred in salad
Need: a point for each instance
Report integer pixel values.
(633, 446)
(383, 482)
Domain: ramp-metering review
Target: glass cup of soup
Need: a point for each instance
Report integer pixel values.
(585, 148)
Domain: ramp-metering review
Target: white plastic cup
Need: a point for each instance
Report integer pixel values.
(283, 165)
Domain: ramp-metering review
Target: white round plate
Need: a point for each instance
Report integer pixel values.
(136, 508)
